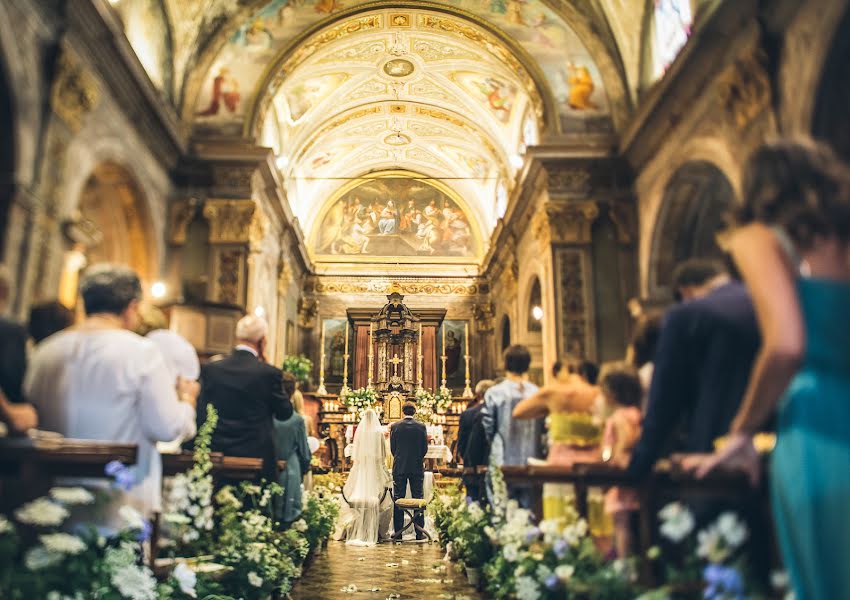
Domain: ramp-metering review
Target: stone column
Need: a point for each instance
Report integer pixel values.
(230, 225)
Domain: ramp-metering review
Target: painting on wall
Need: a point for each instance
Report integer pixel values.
(455, 348)
(569, 69)
(497, 95)
(395, 217)
(335, 350)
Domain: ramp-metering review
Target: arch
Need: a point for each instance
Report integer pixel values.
(831, 121)
(693, 206)
(505, 333)
(534, 307)
(112, 201)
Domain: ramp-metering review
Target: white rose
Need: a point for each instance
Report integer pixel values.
(733, 530)
(564, 572)
(134, 583)
(186, 579)
(300, 525)
(678, 522)
(41, 558)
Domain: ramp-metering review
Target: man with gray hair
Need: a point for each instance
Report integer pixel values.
(246, 391)
(100, 381)
(13, 364)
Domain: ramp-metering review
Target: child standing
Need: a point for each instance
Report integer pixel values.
(622, 390)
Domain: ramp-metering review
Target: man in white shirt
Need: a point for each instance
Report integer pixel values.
(100, 381)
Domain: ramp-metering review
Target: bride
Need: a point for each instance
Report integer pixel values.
(367, 506)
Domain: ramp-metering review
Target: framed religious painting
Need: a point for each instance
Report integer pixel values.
(334, 330)
(453, 334)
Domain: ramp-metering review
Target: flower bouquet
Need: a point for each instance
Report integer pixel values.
(427, 404)
(361, 399)
(299, 366)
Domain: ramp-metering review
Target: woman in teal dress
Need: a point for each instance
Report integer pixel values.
(291, 445)
(792, 246)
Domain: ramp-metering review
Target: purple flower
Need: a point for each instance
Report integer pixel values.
(122, 474)
(560, 548)
(145, 532)
(722, 582)
(552, 581)
(532, 534)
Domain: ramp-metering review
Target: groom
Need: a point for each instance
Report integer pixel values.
(408, 443)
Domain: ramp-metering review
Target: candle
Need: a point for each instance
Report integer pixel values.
(346, 337)
(322, 391)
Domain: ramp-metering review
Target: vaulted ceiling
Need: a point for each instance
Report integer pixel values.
(451, 91)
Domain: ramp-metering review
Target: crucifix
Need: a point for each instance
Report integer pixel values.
(396, 361)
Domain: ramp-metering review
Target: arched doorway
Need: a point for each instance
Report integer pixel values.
(533, 336)
(695, 202)
(114, 212)
(7, 157)
(831, 121)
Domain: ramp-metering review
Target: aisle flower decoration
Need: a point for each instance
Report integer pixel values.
(299, 366)
(359, 400)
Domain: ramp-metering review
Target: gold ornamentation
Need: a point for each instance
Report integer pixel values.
(329, 35)
(230, 220)
(233, 177)
(229, 275)
(258, 229)
(285, 276)
(180, 214)
(331, 286)
(307, 311)
(398, 67)
(570, 223)
(74, 93)
(623, 216)
(399, 20)
(745, 89)
(568, 180)
(485, 316)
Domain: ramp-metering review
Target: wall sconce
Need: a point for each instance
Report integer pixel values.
(537, 313)
(158, 290)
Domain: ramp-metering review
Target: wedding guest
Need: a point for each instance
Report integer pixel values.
(792, 247)
(641, 353)
(297, 399)
(48, 318)
(702, 363)
(246, 391)
(574, 431)
(408, 444)
(472, 446)
(13, 345)
(290, 440)
(512, 441)
(100, 381)
(622, 389)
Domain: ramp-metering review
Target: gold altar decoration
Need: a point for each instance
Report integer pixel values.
(394, 338)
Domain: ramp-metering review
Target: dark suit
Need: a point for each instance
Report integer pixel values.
(13, 359)
(246, 392)
(473, 448)
(702, 367)
(409, 444)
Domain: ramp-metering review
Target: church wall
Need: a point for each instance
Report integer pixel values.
(736, 84)
(59, 148)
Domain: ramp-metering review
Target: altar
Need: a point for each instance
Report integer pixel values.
(393, 355)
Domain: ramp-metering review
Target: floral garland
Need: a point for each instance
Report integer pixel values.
(359, 400)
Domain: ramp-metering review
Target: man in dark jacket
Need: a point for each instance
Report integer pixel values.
(472, 446)
(702, 365)
(408, 444)
(18, 415)
(246, 392)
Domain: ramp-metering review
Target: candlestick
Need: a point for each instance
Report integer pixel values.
(419, 362)
(371, 356)
(344, 389)
(322, 391)
(467, 391)
(443, 359)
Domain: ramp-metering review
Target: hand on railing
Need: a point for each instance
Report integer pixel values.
(738, 454)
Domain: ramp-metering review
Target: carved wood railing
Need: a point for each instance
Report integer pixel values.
(27, 468)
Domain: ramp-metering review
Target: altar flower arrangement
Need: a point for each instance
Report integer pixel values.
(299, 366)
(357, 401)
(428, 404)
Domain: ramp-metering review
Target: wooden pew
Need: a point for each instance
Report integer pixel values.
(28, 468)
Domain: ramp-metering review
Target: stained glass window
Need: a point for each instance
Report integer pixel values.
(672, 26)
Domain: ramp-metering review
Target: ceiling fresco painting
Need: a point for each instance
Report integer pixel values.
(569, 70)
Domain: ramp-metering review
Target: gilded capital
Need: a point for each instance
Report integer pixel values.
(180, 214)
(571, 222)
(230, 220)
(307, 311)
(484, 315)
(74, 93)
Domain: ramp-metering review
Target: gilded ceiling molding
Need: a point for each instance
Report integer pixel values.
(330, 285)
(74, 92)
(230, 220)
(347, 22)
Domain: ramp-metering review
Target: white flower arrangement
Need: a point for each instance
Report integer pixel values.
(42, 512)
(677, 522)
(72, 495)
(361, 399)
(186, 579)
(62, 543)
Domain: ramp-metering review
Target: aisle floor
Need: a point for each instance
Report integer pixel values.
(382, 572)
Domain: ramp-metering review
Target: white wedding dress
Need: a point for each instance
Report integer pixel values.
(367, 506)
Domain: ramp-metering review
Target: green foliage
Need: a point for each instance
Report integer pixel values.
(299, 366)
